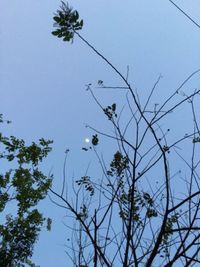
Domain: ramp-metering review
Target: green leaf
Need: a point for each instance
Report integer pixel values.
(55, 33)
(113, 107)
(57, 19)
(76, 15)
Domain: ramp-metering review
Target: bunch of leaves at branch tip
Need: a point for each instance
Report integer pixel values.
(83, 214)
(100, 83)
(125, 200)
(142, 200)
(23, 185)
(110, 111)
(118, 165)
(67, 22)
(95, 140)
(86, 182)
(148, 203)
(196, 140)
(168, 232)
(169, 227)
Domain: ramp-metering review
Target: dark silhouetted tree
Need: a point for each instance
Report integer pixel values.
(144, 209)
(22, 186)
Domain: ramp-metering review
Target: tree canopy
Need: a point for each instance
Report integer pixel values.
(22, 186)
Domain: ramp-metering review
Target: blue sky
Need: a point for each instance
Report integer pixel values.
(42, 80)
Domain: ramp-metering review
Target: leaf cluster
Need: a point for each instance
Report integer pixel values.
(110, 111)
(196, 140)
(67, 22)
(86, 182)
(141, 200)
(118, 164)
(95, 140)
(83, 214)
(23, 185)
(169, 226)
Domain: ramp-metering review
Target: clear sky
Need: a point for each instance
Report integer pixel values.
(42, 80)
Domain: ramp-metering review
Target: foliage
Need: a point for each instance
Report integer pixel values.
(21, 189)
(67, 22)
(145, 209)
